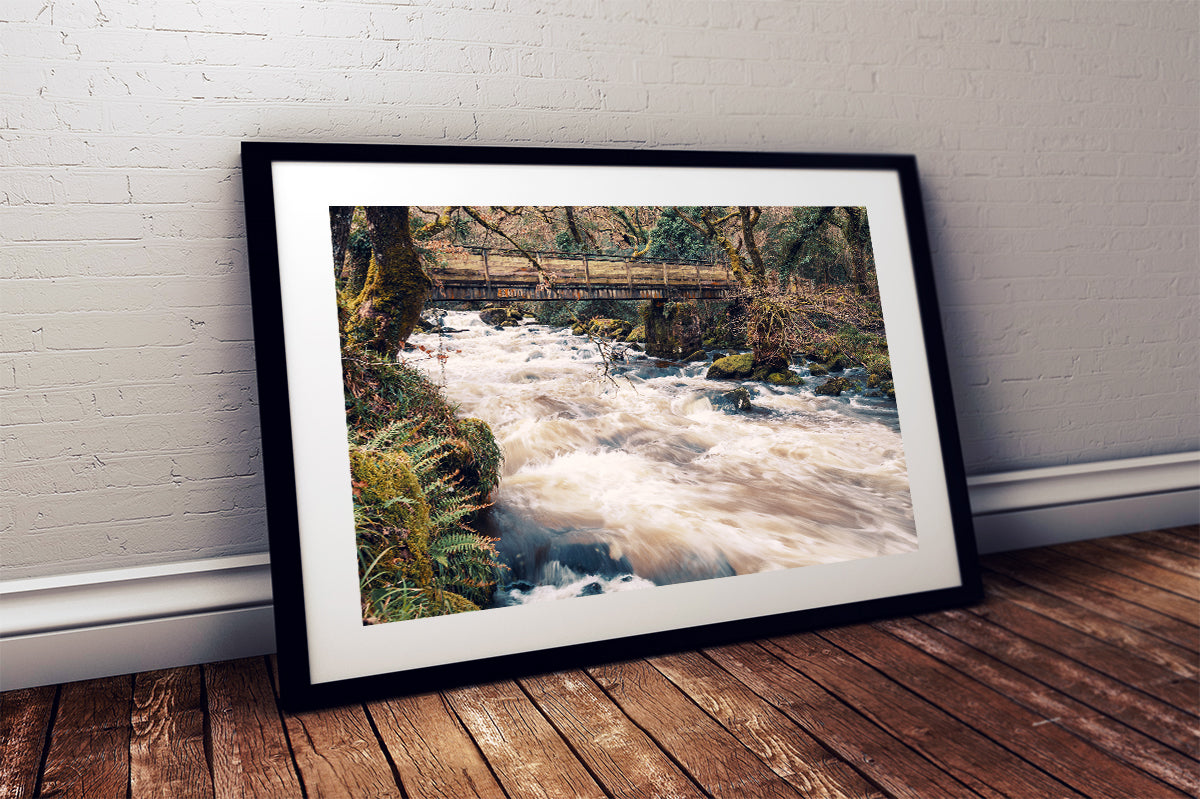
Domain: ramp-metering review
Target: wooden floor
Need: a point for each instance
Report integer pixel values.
(1076, 677)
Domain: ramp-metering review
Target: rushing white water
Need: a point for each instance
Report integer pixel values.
(650, 478)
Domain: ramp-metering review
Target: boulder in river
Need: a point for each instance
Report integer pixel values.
(610, 328)
(501, 316)
(732, 367)
(788, 378)
(583, 556)
(737, 400)
(834, 386)
(493, 315)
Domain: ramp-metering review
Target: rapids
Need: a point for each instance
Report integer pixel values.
(643, 476)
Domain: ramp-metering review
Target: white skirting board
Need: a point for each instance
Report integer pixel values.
(80, 626)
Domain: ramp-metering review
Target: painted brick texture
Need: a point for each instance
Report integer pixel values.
(1057, 143)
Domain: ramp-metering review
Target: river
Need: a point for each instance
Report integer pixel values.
(645, 476)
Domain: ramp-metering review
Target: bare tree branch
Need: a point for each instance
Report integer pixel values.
(543, 276)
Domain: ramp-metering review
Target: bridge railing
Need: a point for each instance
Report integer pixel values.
(489, 273)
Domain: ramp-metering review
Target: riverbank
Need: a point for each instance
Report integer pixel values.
(420, 475)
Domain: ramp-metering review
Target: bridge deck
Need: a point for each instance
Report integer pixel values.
(481, 274)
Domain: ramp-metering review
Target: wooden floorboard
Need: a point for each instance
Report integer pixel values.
(625, 760)
(1077, 676)
(1184, 540)
(90, 740)
(433, 753)
(795, 755)
(248, 747)
(1107, 607)
(24, 721)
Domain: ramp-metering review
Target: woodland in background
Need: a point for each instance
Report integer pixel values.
(806, 288)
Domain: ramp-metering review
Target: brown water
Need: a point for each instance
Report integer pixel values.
(646, 479)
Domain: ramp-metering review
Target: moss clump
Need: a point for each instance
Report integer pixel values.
(785, 379)
(817, 370)
(481, 467)
(879, 368)
(732, 367)
(358, 262)
(393, 508)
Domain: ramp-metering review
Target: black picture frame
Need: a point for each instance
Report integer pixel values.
(290, 186)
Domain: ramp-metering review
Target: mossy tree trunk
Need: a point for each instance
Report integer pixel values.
(382, 315)
(713, 224)
(766, 320)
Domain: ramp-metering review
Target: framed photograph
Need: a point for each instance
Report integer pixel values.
(526, 408)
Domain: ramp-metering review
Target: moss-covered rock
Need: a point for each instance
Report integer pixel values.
(838, 363)
(836, 385)
(636, 334)
(817, 370)
(610, 328)
(698, 355)
(493, 315)
(788, 378)
(732, 367)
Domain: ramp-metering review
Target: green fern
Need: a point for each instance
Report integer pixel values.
(466, 562)
(392, 408)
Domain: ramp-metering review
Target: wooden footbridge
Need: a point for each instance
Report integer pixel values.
(477, 273)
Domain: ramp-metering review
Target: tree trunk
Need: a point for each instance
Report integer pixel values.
(339, 222)
(858, 236)
(358, 263)
(385, 312)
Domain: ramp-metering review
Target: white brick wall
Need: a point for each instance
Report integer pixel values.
(1057, 141)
